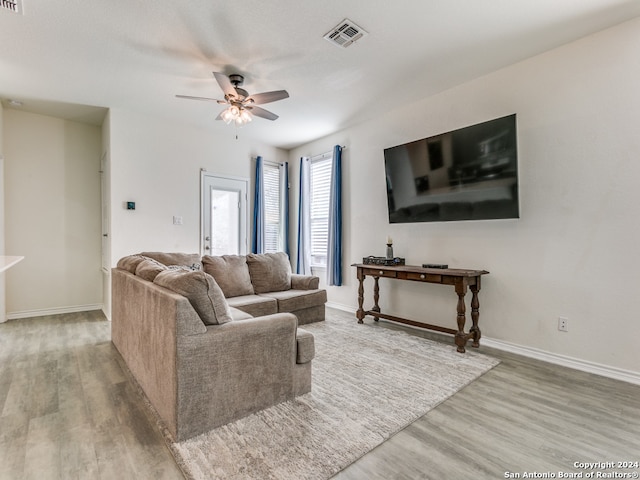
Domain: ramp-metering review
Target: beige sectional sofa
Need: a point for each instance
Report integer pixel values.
(202, 359)
(262, 284)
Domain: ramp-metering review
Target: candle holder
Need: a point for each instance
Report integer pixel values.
(389, 251)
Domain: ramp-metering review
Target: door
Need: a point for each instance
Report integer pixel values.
(106, 213)
(223, 215)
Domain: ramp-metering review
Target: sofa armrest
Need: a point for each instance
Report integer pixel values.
(233, 370)
(306, 348)
(145, 322)
(304, 282)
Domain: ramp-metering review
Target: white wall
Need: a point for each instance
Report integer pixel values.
(156, 164)
(52, 200)
(574, 251)
(3, 312)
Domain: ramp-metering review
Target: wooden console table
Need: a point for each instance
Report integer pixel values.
(460, 279)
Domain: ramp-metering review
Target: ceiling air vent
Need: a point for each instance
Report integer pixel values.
(345, 34)
(13, 5)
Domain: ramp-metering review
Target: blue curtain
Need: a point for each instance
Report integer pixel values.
(303, 264)
(258, 234)
(334, 247)
(283, 169)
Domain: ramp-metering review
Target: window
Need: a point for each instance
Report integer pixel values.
(319, 207)
(273, 209)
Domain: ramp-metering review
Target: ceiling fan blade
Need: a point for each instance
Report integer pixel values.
(225, 84)
(261, 112)
(189, 97)
(267, 97)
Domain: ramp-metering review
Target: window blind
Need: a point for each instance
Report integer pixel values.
(320, 188)
(271, 207)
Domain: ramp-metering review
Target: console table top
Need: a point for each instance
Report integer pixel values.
(453, 272)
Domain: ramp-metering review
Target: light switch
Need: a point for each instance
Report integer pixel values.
(177, 220)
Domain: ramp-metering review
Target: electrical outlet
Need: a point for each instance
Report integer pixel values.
(177, 220)
(563, 324)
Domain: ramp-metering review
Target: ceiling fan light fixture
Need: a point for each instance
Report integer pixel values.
(228, 115)
(237, 115)
(244, 116)
(241, 107)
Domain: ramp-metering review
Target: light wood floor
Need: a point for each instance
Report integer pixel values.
(67, 411)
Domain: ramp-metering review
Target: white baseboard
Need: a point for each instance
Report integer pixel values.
(549, 357)
(344, 308)
(565, 361)
(52, 311)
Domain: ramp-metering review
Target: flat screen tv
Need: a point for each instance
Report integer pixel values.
(467, 174)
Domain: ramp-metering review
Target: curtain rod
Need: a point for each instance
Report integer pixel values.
(325, 154)
(269, 162)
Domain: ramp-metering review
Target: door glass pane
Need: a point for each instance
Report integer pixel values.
(225, 222)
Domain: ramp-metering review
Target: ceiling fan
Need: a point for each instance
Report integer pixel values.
(240, 105)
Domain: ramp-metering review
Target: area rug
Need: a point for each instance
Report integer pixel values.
(369, 382)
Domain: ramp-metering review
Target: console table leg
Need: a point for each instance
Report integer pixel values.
(376, 297)
(360, 312)
(475, 315)
(461, 338)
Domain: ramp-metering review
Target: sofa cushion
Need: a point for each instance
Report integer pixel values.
(201, 289)
(130, 262)
(306, 348)
(148, 269)
(304, 282)
(310, 315)
(231, 272)
(292, 300)
(191, 260)
(270, 272)
(237, 314)
(254, 304)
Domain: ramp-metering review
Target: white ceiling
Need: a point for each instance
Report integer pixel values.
(137, 55)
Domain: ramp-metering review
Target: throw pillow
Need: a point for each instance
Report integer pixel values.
(201, 290)
(130, 262)
(148, 269)
(187, 259)
(230, 272)
(270, 272)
